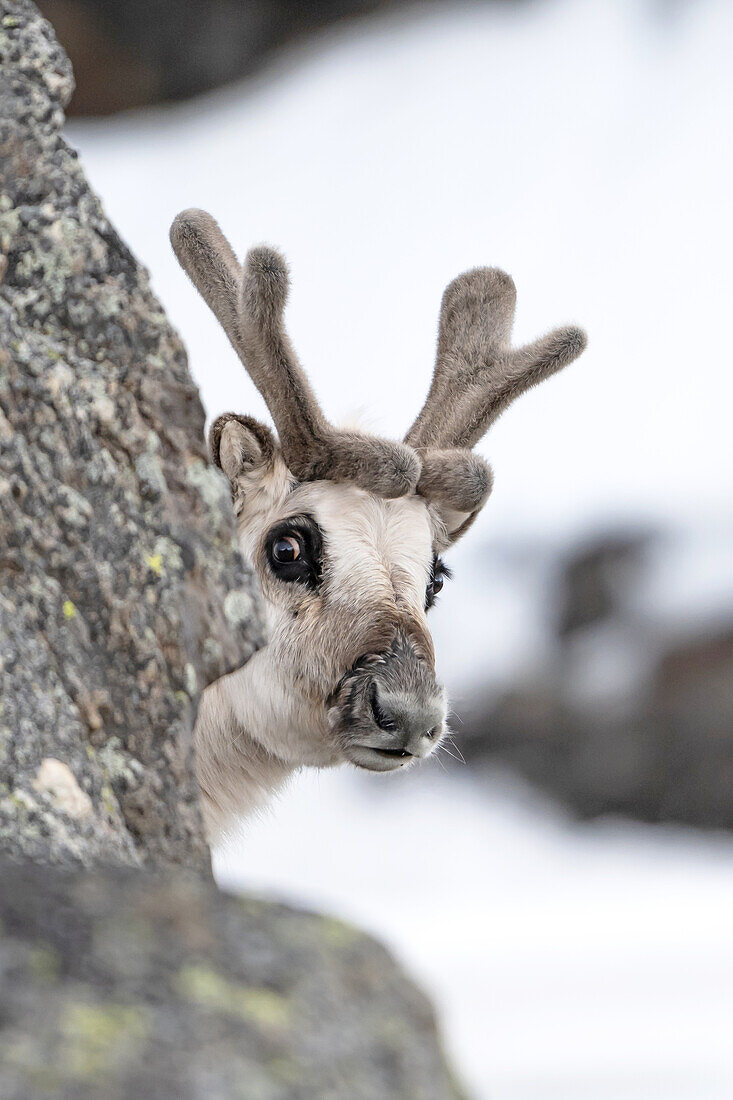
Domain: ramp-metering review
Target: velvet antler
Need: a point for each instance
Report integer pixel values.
(249, 305)
(477, 375)
(477, 372)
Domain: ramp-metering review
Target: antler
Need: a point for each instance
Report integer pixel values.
(249, 305)
(477, 372)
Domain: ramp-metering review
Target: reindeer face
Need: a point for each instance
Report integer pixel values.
(345, 529)
(348, 577)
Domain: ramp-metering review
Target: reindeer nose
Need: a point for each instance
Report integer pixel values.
(411, 722)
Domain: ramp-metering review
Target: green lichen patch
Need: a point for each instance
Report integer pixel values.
(44, 963)
(98, 1038)
(204, 986)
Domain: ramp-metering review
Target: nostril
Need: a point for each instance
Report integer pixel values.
(381, 718)
(433, 733)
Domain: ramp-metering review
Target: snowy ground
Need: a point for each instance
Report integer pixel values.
(569, 962)
(586, 148)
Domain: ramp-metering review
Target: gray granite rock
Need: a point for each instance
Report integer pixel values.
(124, 983)
(117, 548)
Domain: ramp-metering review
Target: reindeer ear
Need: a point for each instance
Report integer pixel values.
(240, 444)
(457, 483)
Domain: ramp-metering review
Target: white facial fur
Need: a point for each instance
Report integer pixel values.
(279, 712)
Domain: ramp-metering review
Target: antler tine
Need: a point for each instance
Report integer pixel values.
(477, 374)
(206, 256)
(271, 361)
(249, 305)
(476, 315)
(510, 377)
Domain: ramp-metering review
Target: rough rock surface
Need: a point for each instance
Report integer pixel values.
(125, 984)
(121, 590)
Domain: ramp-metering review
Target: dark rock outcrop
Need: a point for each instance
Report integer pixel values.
(124, 984)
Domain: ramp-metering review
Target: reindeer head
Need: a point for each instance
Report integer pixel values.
(346, 530)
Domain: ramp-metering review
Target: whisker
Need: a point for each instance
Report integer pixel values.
(447, 751)
(457, 747)
(436, 757)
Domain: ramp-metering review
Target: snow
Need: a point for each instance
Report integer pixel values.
(586, 149)
(569, 962)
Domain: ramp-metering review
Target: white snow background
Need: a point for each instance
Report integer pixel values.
(586, 148)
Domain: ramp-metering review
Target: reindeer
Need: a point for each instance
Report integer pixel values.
(344, 530)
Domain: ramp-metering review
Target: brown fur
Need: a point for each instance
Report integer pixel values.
(477, 372)
(455, 479)
(249, 447)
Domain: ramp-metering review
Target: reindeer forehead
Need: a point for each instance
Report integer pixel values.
(359, 525)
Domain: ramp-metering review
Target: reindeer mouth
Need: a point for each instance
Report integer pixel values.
(388, 713)
(385, 757)
(396, 753)
(374, 759)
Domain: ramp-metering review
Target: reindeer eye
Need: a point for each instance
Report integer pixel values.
(294, 551)
(286, 549)
(438, 575)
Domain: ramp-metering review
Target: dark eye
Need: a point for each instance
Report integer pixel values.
(438, 575)
(286, 549)
(294, 550)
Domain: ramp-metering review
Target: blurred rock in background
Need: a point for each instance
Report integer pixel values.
(120, 984)
(130, 53)
(630, 710)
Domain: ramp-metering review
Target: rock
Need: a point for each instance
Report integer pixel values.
(118, 563)
(692, 708)
(630, 711)
(129, 53)
(125, 983)
(58, 782)
(591, 579)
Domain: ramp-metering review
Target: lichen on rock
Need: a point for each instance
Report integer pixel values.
(117, 549)
(161, 986)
